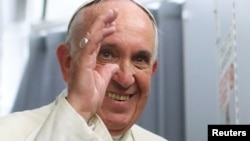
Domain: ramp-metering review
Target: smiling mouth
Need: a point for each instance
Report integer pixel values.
(117, 97)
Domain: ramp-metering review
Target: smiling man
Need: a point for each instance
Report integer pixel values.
(108, 61)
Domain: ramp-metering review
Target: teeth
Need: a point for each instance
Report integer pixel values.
(117, 97)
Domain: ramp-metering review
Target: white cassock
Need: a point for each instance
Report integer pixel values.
(58, 121)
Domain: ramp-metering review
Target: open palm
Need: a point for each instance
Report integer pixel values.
(88, 82)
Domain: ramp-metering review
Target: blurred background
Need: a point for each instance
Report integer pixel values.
(203, 76)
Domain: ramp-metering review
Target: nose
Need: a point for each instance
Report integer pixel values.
(124, 78)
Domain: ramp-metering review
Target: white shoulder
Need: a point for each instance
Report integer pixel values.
(17, 126)
(140, 133)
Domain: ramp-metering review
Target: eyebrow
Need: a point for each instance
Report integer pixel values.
(105, 44)
(144, 53)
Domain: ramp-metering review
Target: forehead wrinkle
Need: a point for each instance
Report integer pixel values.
(131, 31)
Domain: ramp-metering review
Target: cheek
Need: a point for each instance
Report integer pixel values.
(143, 78)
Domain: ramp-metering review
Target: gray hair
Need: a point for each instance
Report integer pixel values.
(70, 41)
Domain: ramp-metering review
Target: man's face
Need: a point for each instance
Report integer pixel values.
(132, 48)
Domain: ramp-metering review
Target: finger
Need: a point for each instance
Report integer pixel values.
(100, 35)
(103, 26)
(107, 71)
(106, 19)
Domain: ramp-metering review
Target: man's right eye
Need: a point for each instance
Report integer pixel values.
(105, 54)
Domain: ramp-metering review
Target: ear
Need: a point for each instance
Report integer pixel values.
(155, 66)
(63, 56)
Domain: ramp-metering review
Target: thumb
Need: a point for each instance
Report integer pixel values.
(107, 71)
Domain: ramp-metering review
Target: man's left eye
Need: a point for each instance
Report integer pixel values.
(141, 59)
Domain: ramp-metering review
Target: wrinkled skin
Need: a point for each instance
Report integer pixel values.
(111, 74)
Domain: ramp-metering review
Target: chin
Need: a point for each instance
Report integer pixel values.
(119, 116)
(117, 123)
(115, 129)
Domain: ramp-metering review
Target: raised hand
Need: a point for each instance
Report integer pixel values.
(88, 83)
